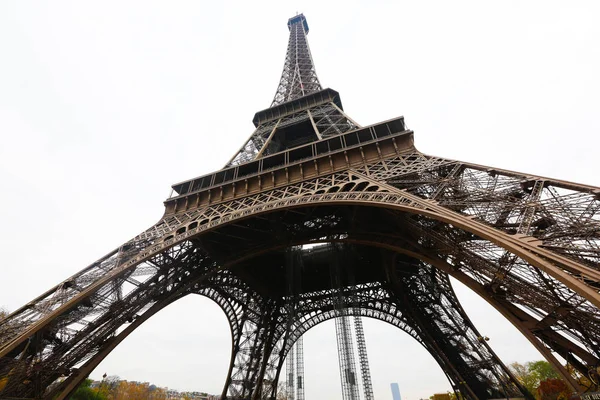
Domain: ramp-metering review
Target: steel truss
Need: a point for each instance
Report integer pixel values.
(343, 330)
(299, 348)
(322, 120)
(363, 359)
(344, 335)
(465, 233)
(295, 371)
(295, 355)
(299, 77)
(323, 117)
(404, 223)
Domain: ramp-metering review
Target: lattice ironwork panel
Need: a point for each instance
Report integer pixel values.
(299, 76)
(529, 245)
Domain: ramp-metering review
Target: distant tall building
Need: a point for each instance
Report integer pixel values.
(395, 391)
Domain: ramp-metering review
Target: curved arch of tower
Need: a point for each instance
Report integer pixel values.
(387, 226)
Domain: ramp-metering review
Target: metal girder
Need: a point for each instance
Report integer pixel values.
(463, 246)
(298, 80)
(309, 174)
(295, 357)
(363, 359)
(323, 120)
(343, 330)
(299, 77)
(299, 347)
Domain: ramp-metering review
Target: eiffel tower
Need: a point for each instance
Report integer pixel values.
(366, 224)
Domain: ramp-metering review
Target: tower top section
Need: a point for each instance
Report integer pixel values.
(298, 19)
(301, 112)
(299, 77)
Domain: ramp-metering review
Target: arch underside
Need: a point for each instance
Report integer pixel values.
(478, 229)
(417, 299)
(437, 321)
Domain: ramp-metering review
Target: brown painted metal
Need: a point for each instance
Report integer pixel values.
(528, 245)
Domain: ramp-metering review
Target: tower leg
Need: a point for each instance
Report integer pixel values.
(251, 355)
(428, 299)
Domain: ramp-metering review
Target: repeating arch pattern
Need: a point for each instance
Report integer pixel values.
(529, 245)
(122, 277)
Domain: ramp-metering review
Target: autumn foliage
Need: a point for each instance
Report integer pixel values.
(118, 390)
(138, 391)
(553, 389)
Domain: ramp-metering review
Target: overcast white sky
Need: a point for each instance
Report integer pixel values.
(104, 105)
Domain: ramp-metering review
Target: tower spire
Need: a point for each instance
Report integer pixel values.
(301, 111)
(299, 77)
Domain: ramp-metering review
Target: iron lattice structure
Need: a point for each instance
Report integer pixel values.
(301, 111)
(400, 221)
(343, 330)
(295, 356)
(363, 360)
